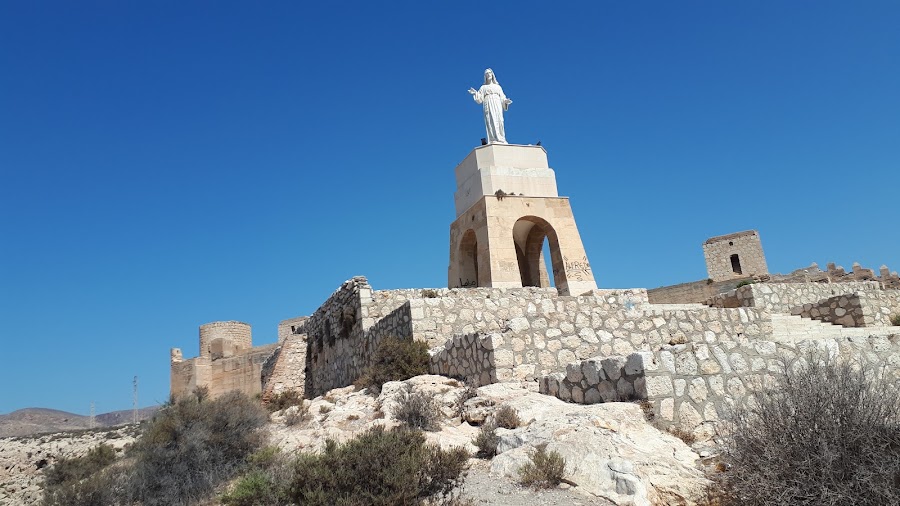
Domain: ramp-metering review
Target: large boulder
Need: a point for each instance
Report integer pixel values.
(611, 451)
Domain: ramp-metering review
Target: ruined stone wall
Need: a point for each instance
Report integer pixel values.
(291, 326)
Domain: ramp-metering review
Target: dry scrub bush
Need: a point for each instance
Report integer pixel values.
(81, 481)
(686, 436)
(285, 400)
(295, 416)
(506, 417)
(395, 360)
(828, 434)
(895, 320)
(193, 445)
(469, 392)
(546, 469)
(419, 411)
(486, 441)
(378, 468)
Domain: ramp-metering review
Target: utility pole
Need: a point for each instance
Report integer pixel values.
(134, 408)
(92, 423)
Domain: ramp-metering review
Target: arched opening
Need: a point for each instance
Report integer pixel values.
(736, 264)
(532, 237)
(468, 260)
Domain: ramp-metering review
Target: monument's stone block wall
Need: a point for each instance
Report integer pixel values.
(734, 255)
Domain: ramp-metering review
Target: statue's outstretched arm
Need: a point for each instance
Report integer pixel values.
(477, 95)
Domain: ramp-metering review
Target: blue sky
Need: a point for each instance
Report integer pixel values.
(167, 164)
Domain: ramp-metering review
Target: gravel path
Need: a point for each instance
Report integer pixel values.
(484, 489)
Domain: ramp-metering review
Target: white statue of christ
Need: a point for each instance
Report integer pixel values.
(495, 102)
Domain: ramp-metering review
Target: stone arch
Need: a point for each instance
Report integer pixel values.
(468, 263)
(529, 233)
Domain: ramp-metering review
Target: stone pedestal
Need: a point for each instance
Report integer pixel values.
(497, 238)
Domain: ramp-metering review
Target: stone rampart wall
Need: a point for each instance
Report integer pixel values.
(850, 310)
(695, 292)
(285, 369)
(694, 386)
(534, 333)
(783, 297)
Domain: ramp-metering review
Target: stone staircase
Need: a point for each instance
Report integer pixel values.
(793, 327)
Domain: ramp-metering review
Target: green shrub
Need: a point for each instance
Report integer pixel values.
(395, 360)
(266, 482)
(285, 400)
(487, 441)
(546, 469)
(745, 283)
(825, 434)
(506, 417)
(379, 468)
(419, 411)
(895, 320)
(193, 445)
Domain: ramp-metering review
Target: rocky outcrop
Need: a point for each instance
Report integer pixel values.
(611, 451)
(23, 459)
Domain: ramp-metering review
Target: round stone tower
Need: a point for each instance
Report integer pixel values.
(224, 339)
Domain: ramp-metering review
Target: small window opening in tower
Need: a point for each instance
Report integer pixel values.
(736, 264)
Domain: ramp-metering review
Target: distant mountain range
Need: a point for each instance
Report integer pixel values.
(29, 421)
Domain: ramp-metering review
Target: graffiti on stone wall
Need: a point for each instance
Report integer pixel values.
(578, 269)
(467, 283)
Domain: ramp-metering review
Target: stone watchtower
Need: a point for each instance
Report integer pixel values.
(506, 207)
(737, 255)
